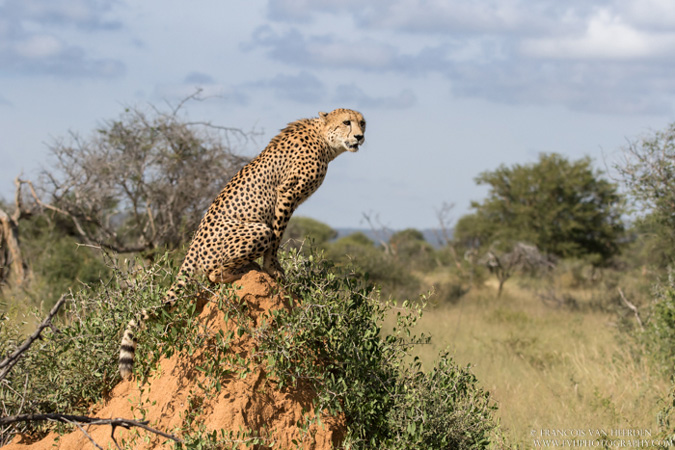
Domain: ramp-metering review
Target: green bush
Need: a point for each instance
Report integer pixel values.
(394, 277)
(659, 333)
(75, 361)
(410, 248)
(332, 339)
(300, 229)
(57, 263)
(647, 170)
(440, 409)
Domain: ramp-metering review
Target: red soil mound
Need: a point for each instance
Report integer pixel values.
(172, 394)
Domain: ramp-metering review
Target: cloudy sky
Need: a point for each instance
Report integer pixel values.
(450, 88)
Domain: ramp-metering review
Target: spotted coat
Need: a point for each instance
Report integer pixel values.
(248, 218)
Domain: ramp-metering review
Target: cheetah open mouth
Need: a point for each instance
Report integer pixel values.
(354, 147)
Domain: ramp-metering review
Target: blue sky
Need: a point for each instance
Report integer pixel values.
(449, 88)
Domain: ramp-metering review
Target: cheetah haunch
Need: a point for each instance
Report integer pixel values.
(248, 218)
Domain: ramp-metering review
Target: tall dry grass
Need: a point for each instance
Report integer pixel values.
(548, 368)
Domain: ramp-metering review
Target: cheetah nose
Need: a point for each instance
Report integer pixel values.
(359, 137)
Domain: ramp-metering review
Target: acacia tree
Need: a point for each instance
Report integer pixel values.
(139, 182)
(648, 170)
(520, 258)
(563, 207)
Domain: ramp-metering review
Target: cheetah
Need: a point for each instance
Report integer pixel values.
(247, 219)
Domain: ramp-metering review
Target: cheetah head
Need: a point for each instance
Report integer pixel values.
(344, 129)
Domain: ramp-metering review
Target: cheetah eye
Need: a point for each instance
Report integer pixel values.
(347, 122)
(362, 123)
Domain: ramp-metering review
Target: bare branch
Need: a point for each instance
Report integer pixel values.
(53, 208)
(381, 232)
(443, 233)
(141, 181)
(77, 424)
(84, 235)
(245, 135)
(9, 362)
(194, 96)
(632, 307)
(69, 418)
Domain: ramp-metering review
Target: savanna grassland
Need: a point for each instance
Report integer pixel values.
(549, 367)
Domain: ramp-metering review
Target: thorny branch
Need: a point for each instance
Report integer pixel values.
(9, 362)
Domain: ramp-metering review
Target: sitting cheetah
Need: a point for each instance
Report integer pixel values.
(248, 218)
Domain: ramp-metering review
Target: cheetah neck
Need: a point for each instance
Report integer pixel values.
(329, 152)
(332, 152)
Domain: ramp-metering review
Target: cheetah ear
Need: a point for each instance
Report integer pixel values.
(323, 115)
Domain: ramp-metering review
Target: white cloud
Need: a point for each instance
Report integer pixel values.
(39, 46)
(329, 51)
(332, 51)
(652, 14)
(442, 16)
(438, 17)
(607, 37)
(606, 87)
(589, 62)
(36, 38)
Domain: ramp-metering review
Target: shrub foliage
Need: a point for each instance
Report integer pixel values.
(75, 361)
(358, 370)
(332, 338)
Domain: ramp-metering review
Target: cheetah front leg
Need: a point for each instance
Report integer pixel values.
(287, 202)
(271, 263)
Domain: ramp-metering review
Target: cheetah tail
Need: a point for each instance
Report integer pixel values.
(128, 349)
(129, 339)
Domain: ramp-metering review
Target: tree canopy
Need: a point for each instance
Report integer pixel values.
(563, 207)
(139, 182)
(648, 171)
